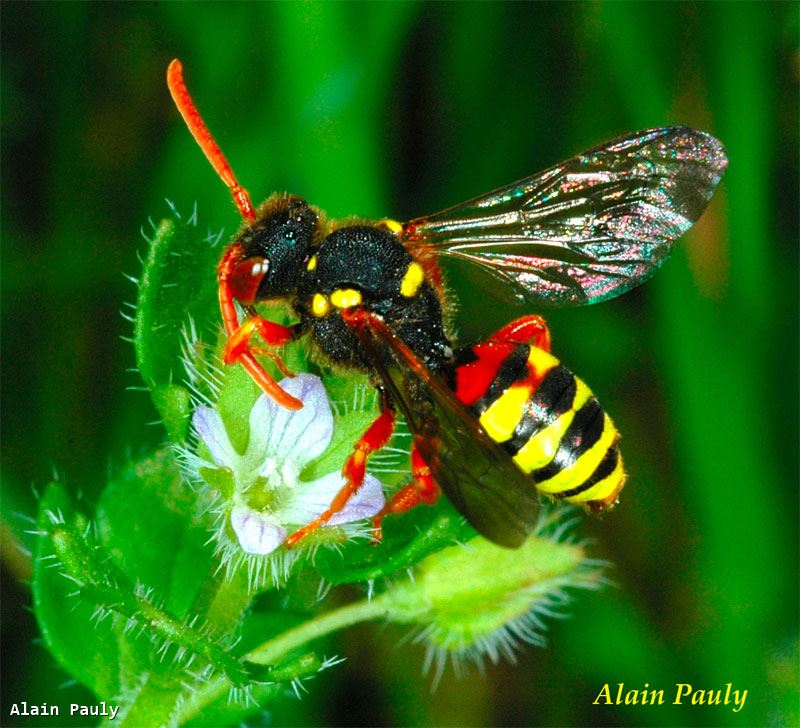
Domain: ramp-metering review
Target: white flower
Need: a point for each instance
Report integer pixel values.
(269, 499)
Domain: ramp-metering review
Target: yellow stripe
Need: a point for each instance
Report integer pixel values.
(582, 394)
(345, 297)
(412, 280)
(541, 361)
(541, 448)
(581, 470)
(312, 263)
(606, 488)
(502, 417)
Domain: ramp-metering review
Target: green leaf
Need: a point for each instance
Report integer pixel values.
(87, 651)
(149, 520)
(174, 403)
(177, 286)
(407, 539)
(164, 548)
(153, 699)
(236, 398)
(224, 712)
(346, 431)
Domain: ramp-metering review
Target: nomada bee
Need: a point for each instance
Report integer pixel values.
(496, 423)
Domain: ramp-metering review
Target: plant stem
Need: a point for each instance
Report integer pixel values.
(272, 650)
(365, 610)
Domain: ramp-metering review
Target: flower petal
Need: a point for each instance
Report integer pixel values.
(366, 503)
(311, 499)
(300, 435)
(211, 430)
(263, 418)
(258, 533)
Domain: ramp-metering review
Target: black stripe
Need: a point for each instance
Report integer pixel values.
(603, 470)
(583, 432)
(556, 393)
(513, 368)
(553, 397)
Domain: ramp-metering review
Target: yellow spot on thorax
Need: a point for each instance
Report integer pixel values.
(412, 280)
(319, 305)
(392, 226)
(312, 263)
(346, 297)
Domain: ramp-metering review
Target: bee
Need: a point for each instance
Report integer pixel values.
(499, 422)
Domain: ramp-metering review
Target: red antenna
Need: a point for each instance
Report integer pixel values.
(190, 114)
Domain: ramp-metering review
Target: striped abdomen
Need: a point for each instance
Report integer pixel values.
(546, 418)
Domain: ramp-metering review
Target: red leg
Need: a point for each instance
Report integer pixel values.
(422, 489)
(261, 351)
(376, 436)
(273, 335)
(526, 330)
(238, 347)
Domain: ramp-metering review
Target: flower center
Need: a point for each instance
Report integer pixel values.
(270, 489)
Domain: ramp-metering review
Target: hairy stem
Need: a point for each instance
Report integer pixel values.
(272, 650)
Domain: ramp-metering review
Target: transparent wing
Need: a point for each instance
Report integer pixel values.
(475, 473)
(589, 228)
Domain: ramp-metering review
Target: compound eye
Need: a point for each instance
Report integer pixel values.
(246, 279)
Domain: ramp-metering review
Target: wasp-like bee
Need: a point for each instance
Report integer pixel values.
(498, 422)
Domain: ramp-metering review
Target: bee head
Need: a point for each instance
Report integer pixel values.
(274, 248)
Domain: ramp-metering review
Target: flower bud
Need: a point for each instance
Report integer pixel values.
(479, 599)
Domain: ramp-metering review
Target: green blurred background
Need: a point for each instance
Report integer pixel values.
(399, 110)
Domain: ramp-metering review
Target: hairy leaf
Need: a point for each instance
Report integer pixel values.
(149, 520)
(86, 650)
(177, 289)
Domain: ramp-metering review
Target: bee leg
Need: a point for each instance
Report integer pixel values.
(376, 436)
(239, 349)
(422, 489)
(526, 330)
(273, 335)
